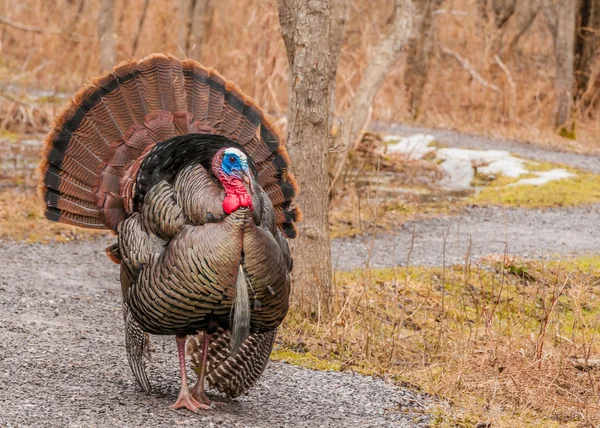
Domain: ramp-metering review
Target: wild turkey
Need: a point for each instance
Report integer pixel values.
(193, 178)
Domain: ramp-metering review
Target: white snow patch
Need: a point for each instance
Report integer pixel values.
(459, 173)
(494, 161)
(415, 147)
(458, 165)
(544, 177)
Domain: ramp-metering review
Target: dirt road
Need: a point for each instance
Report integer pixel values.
(557, 232)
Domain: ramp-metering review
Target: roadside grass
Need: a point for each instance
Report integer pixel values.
(506, 341)
(581, 189)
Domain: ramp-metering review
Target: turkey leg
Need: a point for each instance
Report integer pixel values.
(185, 399)
(198, 390)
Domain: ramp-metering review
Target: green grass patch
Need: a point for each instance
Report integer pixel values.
(305, 359)
(579, 190)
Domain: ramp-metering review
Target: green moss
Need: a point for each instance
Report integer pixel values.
(304, 360)
(582, 189)
(570, 134)
(7, 135)
(586, 264)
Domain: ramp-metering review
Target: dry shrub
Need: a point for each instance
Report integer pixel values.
(244, 44)
(496, 339)
(380, 190)
(23, 118)
(21, 211)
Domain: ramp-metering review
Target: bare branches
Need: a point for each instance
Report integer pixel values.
(29, 28)
(136, 39)
(106, 33)
(372, 79)
(467, 66)
(524, 16)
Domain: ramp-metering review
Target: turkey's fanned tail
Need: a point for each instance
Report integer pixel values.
(229, 373)
(92, 155)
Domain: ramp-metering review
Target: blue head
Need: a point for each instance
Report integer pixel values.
(234, 162)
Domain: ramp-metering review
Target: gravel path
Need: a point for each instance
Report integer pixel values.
(63, 364)
(528, 233)
(529, 151)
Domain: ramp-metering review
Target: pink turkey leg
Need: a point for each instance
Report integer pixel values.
(198, 390)
(185, 399)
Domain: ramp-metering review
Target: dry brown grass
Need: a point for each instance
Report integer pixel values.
(21, 218)
(245, 45)
(21, 211)
(494, 339)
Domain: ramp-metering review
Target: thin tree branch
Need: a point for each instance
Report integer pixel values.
(467, 66)
(386, 54)
(29, 28)
(136, 39)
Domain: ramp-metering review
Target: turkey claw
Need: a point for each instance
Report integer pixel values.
(188, 402)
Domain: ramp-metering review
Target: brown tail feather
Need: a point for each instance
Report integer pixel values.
(91, 157)
(232, 374)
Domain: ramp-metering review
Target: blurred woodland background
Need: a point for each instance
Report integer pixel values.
(517, 68)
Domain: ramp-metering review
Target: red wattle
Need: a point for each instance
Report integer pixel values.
(231, 203)
(236, 194)
(245, 200)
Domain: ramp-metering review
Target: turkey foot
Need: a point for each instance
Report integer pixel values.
(198, 390)
(199, 395)
(185, 399)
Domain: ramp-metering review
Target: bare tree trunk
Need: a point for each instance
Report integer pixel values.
(194, 17)
(106, 34)
(136, 38)
(184, 24)
(587, 44)
(419, 51)
(372, 79)
(512, 17)
(560, 18)
(305, 27)
(339, 16)
(525, 14)
(201, 18)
